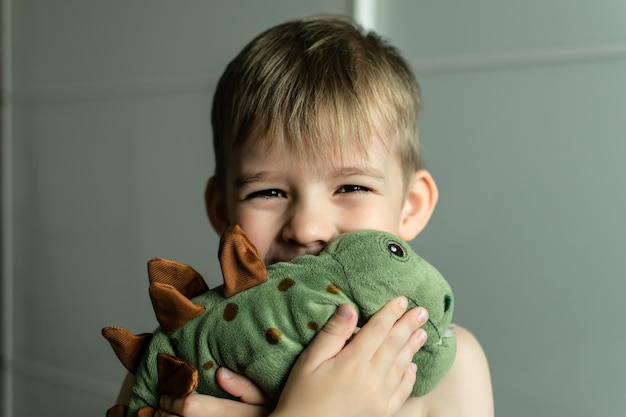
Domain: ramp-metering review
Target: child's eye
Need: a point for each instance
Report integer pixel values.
(350, 188)
(272, 193)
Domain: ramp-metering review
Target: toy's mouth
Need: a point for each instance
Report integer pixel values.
(439, 340)
(431, 328)
(448, 332)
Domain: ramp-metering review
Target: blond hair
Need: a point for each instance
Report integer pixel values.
(318, 85)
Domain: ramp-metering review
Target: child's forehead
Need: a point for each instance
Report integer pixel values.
(311, 154)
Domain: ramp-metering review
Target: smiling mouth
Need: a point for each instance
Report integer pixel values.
(290, 257)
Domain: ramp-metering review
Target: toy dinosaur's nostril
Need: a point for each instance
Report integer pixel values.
(447, 300)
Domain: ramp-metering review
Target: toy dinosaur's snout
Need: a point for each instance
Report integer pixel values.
(439, 323)
(377, 267)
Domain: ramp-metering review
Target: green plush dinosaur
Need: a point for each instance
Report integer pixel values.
(261, 319)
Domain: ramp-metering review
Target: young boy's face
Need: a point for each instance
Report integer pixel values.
(289, 207)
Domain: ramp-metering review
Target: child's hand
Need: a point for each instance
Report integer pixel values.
(372, 376)
(253, 403)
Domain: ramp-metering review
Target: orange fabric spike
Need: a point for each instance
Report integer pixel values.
(181, 276)
(128, 347)
(177, 378)
(172, 308)
(241, 264)
(146, 412)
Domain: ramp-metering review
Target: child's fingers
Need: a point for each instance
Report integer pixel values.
(405, 387)
(332, 338)
(403, 372)
(402, 338)
(241, 387)
(175, 406)
(374, 333)
(196, 405)
(398, 363)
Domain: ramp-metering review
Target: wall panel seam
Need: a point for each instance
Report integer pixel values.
(7, 324)
(518, 60)
(364, 13)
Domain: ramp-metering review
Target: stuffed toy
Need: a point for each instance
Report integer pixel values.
(259, 321)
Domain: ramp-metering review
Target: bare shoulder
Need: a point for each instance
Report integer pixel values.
(466, 389)
(125, 391)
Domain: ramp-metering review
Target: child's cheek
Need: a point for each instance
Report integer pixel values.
(259, 232)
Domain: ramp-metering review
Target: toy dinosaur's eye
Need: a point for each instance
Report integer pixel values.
(396, 249)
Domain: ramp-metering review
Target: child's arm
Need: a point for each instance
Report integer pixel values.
(373, 375)
(466, 390)
(123, 397)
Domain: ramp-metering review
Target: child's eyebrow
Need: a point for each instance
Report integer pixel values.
(251, 178)
(334, 173)
(357, 171)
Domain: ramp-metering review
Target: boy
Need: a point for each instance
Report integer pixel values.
(315, 134)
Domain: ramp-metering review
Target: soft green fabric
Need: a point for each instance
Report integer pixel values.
(369, 268)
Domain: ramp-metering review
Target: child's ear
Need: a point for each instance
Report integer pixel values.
(419, 204)
(215, 206)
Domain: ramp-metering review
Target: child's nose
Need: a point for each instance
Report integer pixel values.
(310, 226)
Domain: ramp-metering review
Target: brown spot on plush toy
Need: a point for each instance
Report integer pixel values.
(313, 326)
(273, 336)
(230, 312)
(332, 288)
(286, 284)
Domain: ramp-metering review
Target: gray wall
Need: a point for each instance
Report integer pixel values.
(524, 131)
(108, 150)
